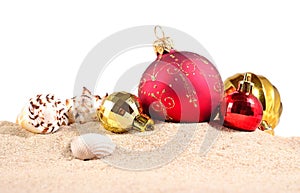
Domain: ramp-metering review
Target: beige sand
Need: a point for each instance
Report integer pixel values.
(236, 162)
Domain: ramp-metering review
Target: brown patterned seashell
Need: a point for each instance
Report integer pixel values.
(43, 114)
(91, 145)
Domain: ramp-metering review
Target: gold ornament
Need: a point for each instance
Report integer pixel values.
(122, 111)
(266, 93)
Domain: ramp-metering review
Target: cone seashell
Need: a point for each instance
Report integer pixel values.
(91, 145)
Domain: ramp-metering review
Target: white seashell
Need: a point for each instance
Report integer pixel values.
(91, 145)
(83, 108)
(43, 113)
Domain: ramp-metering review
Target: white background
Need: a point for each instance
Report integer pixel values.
(42, 44)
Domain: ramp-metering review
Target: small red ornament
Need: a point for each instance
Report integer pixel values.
(180, 86)
(242, 110)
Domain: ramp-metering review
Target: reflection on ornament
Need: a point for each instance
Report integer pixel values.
(266, 93)
(122, 111)
(241, 109)
(180, 86)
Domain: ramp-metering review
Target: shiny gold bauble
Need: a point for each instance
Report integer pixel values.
(268, 95)
(122, 111)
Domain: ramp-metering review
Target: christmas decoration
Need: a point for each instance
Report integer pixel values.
(180, 86)
(266, 93)
(122, 111)
(241, 109)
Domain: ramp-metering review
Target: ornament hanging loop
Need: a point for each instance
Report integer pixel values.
(161, 32)
(163, 44)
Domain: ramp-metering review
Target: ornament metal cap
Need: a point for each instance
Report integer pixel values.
(163, 44)
(143, 123)
(246, 85)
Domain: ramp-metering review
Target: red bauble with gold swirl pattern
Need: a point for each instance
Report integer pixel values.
(180, 86)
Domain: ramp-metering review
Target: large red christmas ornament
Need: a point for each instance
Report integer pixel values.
(241, 109)
(180, 86)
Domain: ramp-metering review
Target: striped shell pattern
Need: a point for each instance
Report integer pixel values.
(91, 145)
(45, 113)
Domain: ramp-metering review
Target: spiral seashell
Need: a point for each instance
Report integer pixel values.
(43, 114)
(83, 108)
(91, 145)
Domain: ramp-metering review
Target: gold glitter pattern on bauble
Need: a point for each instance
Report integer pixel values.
(122, 111)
